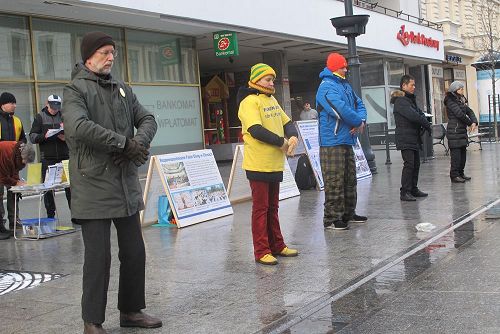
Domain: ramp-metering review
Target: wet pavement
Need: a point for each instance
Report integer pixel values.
(378, 277)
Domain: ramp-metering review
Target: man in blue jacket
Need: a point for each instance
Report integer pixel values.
(342, 116)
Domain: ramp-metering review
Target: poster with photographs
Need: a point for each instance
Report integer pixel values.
(238, 188)
(362, 168)
(193, 185)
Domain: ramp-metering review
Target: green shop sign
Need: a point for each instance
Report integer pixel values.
(225, 44)
(169, 52)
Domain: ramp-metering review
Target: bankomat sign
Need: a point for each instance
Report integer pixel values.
(407, 37)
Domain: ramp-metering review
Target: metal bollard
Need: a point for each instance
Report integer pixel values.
(387, 152)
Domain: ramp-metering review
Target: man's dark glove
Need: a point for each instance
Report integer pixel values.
(120, 160)
(136, 152)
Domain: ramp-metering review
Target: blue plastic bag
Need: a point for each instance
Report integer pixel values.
(164, 211)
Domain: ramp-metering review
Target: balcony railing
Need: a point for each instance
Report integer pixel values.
(375, 7)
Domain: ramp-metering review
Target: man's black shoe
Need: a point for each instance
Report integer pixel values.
(466, 178)
(407, 197)
(338, 225)
(419, 193)
(358, 219)
(4, 236)
(457, 179)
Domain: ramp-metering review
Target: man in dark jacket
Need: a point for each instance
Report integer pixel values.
(100, 114)
(53, 148)
(11, 129)
(410, 122)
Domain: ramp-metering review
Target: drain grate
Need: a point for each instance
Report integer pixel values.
(11, 281)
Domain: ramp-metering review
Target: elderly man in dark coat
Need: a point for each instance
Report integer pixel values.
(100, 114)
(14, 155)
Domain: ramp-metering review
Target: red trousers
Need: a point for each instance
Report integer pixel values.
(266, 230)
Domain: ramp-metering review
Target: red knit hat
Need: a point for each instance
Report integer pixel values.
(335, 61)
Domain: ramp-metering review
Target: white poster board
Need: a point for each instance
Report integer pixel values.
(310, 136)
(193, 185)
(362, 169)
(308, 131)
(238, 188)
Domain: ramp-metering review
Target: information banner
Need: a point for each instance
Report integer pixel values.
(362, 169)
(308, 131)
(239, 190)
(193, 185)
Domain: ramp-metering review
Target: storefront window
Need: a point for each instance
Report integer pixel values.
(157, 57)
(25, 101)
(57, 48)
(396, 71)
(372, 73)
(15, 50)
(374, 101)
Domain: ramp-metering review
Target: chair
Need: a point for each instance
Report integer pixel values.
(439, 133)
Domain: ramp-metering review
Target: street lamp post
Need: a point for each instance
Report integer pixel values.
(351, 26)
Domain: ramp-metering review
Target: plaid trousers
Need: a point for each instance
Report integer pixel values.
(339, 174)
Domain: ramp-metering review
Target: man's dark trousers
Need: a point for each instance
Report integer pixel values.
(411, 168)
(48, 198)
(132, 255)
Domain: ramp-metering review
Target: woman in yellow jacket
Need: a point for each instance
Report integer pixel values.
(265, 129)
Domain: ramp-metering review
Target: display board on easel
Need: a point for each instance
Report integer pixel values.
(193, 185)
(238, 188)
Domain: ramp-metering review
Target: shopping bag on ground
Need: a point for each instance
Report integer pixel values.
(164, 211)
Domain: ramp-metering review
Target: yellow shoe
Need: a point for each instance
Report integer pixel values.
(288, 252)
(267, 259)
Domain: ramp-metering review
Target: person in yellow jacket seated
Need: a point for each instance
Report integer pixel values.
(268, 134)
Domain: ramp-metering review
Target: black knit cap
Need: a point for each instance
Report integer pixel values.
(7, 98)
(92, 41)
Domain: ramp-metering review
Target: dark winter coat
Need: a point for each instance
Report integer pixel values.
(99, 114)
(459, 117)
(51, 148)
(410, 121)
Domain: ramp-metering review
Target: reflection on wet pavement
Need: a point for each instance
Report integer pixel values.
(345, 313)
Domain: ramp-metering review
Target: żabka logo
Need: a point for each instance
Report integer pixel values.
(410, 37)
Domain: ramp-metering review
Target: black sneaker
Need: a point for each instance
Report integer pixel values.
(466, 178)
(419, 193)
(407, 198)
(358, 219)
(457, 179)
(338, 225)
(327, 224)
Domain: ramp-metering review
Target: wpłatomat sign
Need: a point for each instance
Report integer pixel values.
(225, 44)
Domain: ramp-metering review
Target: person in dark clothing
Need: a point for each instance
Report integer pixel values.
(11, 129)
(108, 133)
(14, 155)
(460, 116)
(265, 129)
(410, 122)
(53, 148)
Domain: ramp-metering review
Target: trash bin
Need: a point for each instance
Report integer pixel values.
(427, 151)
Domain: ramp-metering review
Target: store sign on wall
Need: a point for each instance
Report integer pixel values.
(407, 37)
(225, 44)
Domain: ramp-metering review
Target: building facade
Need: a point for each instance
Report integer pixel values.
(166, 53)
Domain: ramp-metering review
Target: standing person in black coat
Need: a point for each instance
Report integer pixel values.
(53, 148)
(460, 116)
(410, 122)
